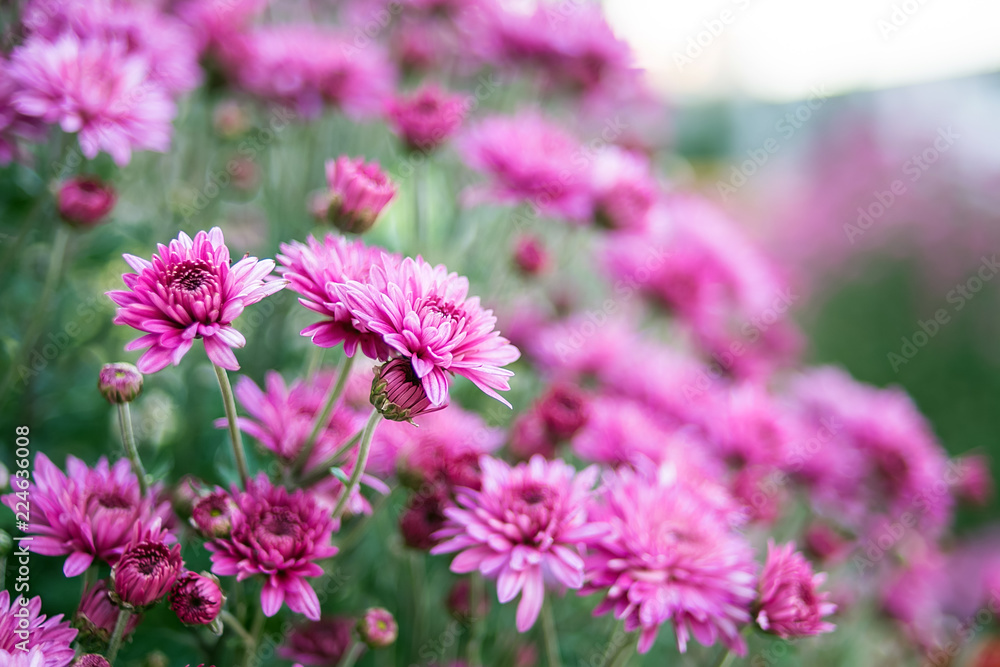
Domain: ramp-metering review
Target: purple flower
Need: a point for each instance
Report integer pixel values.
(426, 119)
(277, 534)
(22, 624)
(670, 556)
(623, 189)
(95, 88)
(523, 528)
(214, 514)
(321, 643)
(91, 660)
(97, 614)
(789, 604)
(84, 201)
(529, 159)
(196, 598)
(377, 627)
(358, 193)
(120, 383)
(189, 291)
(87, 514)
(530, 255)
(314, 270)
(424, 313)
(398, 394)
(147, 569)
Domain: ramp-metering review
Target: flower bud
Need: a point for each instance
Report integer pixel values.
(213, 515)
(91, 660)
(426, 120)
(120, 382)
(96, 617)
(146, 571)
(530, 255)
(83, 201)
(377, 628)
(358, 193)
(565, 410)
(397, 392)
(197, 599)
(424, 517)
(185, 494)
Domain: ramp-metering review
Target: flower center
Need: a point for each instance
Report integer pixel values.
(281, 523)
(113, 501)
(147, 559)
(188, 276)
(534, 494)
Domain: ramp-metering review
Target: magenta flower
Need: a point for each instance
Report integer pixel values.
(377, 627)
(13, 124)
(530, 159)
(670, 556)
(398, 394)
(523, 528)
(85, 200)
(48, 640)
(97, 614)
(789, 604)
(314, 270)
(277, 534)
(120, 382)
(87, 514)
(321, 642)
(214, 514)
(91, 660)
(530, 255)
(147, 569)
(623, 189)
(426, 119)
(358, 193)
(189, 291)
(424, 313)
(95, 88)
(196, 598)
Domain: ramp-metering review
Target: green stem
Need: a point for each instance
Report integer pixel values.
(624, 652)
(551, 638)
(359, 465)
(726, 659)
(117, 635)
(38, 317)
(89, 577)
(234, 429)
(237, 627)
(323, 469)
(352, 655)
(255, 632)
(343, 373)
(128, 440)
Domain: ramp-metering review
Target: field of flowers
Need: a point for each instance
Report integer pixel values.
(367, 332)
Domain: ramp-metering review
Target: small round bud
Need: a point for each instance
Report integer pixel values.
(185, 494)
(197, 599)
(6, 544)
(397, 392)
(358, 193)
(83, 201)
(377, 628)
(120, 382)
(530, 255)
(213, 515)
(145, 573)
(91, 660)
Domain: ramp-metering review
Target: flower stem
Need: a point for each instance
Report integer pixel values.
(323, 469)
(726, 659)
(117, 635)
(128, 440)
(38, 317)
(237, 627)
(352, 654)
(359, 465)
(234, 429)
(621, 657)
(89, 577)
(343, 373)
(551, 638)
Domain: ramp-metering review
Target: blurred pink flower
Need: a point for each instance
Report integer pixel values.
(623, 189)
(427, 118)
(13, 124)
(425, 314)
(48, 640)
(529, 158)
(279, 535)
(670, 557)
(89, 513)
(523, 528)
(97, 614)
(84, 201)
(313, 269)
(789, 604)
(358, 193)
(321, 643)
(530, 255)
(96, 89)
(189, 291)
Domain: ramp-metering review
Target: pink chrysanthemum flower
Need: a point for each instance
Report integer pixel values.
(147, 569)
(87, 514)
(523, 528)
(93, 87)
(277, 534)
(22, 624)
(790, 604)
(424, 313)
(189, 291)
(426, 119)
(530, 159)
(623, 189)
(321, 642)
(313, 269)
(670, 556)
